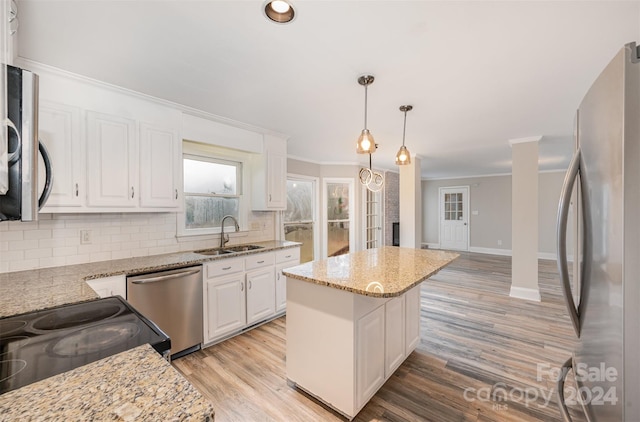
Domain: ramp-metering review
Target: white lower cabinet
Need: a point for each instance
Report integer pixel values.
(109, 286)
(261, 291)
(394, 334)
(225, 306)
(285, 258)
(370, 355)
(242, 291)
(367, 340)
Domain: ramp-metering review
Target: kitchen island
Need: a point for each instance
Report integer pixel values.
(353, 319)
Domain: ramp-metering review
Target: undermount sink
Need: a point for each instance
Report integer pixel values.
(230, 249)
(213, 252)
(243, 248)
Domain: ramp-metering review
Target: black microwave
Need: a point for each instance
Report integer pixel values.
(19, 198)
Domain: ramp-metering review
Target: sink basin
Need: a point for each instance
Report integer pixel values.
(213, 252)
(243, 248)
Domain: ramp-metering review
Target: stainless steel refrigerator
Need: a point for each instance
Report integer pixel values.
(603, 298)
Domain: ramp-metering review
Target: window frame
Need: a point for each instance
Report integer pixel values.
(215, 154)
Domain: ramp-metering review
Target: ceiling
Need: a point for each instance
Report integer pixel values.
(478, 73)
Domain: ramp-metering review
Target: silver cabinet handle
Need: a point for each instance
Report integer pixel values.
(561, 240)
(132, 192)
(242, 287)
(249, 284)
(165, 277)
(176, 193)
(226, 268)
(77, 189)
(269, 197)
(278, 275)
(261, 262)
(288, 256)
(560, 390)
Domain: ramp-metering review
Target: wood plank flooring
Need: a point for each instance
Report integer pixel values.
(477, 344)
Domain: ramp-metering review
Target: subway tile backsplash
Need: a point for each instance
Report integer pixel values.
(54, 240)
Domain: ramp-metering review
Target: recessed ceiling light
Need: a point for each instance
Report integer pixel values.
(279, 11)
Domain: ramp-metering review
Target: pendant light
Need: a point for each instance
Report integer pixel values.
(366, 144)
(403, 157)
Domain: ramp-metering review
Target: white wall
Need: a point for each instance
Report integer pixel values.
(491, 197)
(54, 240)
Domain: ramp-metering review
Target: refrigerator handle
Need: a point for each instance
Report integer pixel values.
(561, 240)
(564, 411)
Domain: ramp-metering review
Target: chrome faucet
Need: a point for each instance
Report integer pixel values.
(223, 241)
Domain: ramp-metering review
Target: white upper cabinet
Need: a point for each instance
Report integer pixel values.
(112, 150)
(269, 176)
(111, 157)
(159, 166)
(60, 132)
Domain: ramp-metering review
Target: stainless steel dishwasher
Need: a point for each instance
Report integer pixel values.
(173, 300)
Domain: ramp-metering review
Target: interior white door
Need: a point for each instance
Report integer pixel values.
(454, 218)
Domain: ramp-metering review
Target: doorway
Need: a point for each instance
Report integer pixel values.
(339, 238)
(454, 218)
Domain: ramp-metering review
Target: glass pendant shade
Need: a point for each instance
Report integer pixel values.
(366, 144)
(403, 156)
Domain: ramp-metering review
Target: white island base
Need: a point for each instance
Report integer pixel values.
(343, 346)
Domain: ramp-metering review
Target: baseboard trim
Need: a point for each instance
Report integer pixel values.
(525, 293)
(490, 251)
(431, 245)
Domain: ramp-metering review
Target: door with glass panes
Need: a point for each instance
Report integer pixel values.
(454, 218)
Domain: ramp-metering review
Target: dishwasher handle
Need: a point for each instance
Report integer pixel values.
(165, 277)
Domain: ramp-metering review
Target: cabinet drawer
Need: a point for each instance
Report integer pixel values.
(259, 260)
(291, 254)
(223, 267)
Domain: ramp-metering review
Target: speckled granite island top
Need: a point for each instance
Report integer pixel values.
(136, 385)
(388, 271)
(32, 290)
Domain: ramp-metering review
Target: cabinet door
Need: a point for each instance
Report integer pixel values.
(276, 181)
(369, 355)
(159, 164)
(412, 321)
(59, 131)
(394, 341)
(281, 285)
(261, 301)
(109, 286)
(224, 306)
(112, 161)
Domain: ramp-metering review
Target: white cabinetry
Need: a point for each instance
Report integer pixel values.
(269, 175)
(284, 259)
(370, 355)
(394, 337)
(240, 292)
(347, 364)
(159, 166)
(111, 157)
(59, 128)
(261, 290)
(109, 286)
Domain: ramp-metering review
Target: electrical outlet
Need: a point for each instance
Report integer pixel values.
(85, 237)
(255, 225)
(499, 242)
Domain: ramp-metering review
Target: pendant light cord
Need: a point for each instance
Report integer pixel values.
(404, 129)
(365, 107)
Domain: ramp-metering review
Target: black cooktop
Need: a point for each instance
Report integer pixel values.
(41, 344)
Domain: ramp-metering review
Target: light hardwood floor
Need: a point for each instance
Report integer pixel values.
(476, 343)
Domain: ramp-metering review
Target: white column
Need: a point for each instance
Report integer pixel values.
(411, 205)
(524, 218)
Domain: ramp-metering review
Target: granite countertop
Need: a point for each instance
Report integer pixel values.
(134, 385)
(32, 290)
(388, 271)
